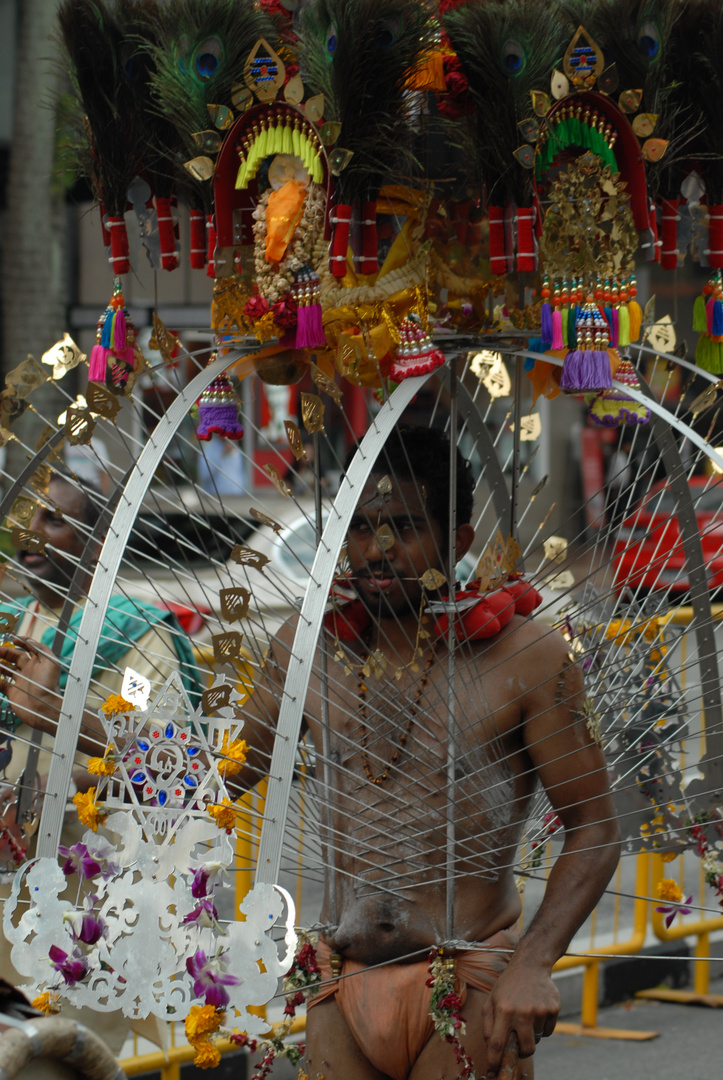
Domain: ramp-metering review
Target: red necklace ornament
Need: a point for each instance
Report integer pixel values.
(407, 725)
(483, 619)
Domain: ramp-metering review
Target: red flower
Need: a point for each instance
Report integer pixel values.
(454, 102)
(285, 314)
(256, 307)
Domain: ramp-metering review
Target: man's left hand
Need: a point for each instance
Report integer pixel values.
(29, 675)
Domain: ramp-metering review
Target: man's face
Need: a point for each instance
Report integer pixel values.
(52, 568)
(391, 542)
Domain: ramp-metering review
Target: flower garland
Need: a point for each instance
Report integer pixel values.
(446, 1009)
(712, 864)
(274, 280)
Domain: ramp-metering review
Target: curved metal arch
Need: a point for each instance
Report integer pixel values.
(89, 631)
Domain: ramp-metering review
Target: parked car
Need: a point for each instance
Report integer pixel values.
(649, 554)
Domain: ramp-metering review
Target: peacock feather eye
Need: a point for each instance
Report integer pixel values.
(649, 41)
(387, 34)
(208, 58)
(513, 58)
(331, 41)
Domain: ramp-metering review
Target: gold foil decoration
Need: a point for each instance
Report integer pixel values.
(264, 71)
(385, 486)
(530, 427)
(529, 129)
(294, 90)
(564, 580)
(23, 510)
(339, 159)
(246, 556)
(314, 108)
(11, 408)
(29, 540)
(649, 311)
(209, 142)
(644, 124)
(330, 132)
(312, 413)
(45, 435)
(571, 59)
(555, 548)
(497, 562)
(241, 97)
(8, 622)
(629, 100)
(559, 85)
(661, 335)
(538, 488)
(235, 603)
(227, 646)
(277, 480)
(26, 377)
(609, 80)
(201, 168)
(375, 665)
(79, 426)
(162, 340)
(262, 519)
(5, 436)
(654, 149)
(217, 697)
(592, 723)
(541, 102)
(63, 356)
(497, 380)
(432, 579)
(326, 385)
(40, 480)
(704, 401)
(293, 436)
(221, 115)
(102, 402)
(384, 538)
(525, 156)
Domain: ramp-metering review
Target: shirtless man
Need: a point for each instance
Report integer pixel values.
(518, 717)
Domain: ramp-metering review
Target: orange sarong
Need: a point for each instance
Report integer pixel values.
(387, 1007)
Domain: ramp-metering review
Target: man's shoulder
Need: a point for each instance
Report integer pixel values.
(528, 640)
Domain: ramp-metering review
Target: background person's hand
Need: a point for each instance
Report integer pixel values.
(29, 674)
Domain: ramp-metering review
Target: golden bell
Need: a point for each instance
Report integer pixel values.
(284, 369)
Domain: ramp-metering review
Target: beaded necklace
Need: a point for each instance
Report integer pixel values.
(407, 725)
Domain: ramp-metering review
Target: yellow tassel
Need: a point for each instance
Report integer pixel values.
(636, 318)
(296, 138)
(287, 145)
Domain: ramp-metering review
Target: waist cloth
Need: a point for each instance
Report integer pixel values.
(387, 1007)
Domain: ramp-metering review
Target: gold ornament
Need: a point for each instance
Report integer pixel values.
(555, 548)
(246, 556)
(26, 377)
(101, 402)
(432, 579)
(8, 622)
(162, 340)
(227, 646)
(385, 486)
(312, 413)
(294, 438)
(235, 603)
(23, 510)
(221, 116)
(208, 141)
(584, 60)
(314, 108)
(79, 426)
(262, 519)
(294, 90)
(384, 538)
(63, 356)
(218, 697)
(277, 480)
(29, 540)
(325, 384)
(264, 71)
(201, 168)
(497, 562)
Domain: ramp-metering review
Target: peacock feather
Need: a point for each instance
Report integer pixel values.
(359, 54)
(507, 48)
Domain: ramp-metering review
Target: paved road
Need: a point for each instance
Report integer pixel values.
(688, 1045)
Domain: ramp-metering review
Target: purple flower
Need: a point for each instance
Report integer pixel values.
(675, 909)
(73, 968)
(210, 978)
(204, 914)
(78, 860)
(199, 885)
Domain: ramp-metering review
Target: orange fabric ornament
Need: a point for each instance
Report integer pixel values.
(283, 213)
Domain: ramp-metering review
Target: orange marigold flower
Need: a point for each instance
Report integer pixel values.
(207, 1056)
(90, 812)
(116, 704)
(223, 813)
(103, 766)
(669, 890)
(47, 1002)
(234, 755)
(201, 1021)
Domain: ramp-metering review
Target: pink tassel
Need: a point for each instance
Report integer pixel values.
(557, 342)
(97, 364)
(615, 319)
(119, 336)
(309, 329)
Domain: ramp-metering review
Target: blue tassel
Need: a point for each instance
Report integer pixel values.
(534, 345)
(717, 330)
(546, 323)
(105, 337)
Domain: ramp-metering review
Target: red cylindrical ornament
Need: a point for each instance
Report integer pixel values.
(118, 258)
(198, 239)
(211, 247)
(715, 236)
(498, 258)
(669, 218)
(340, 218)
(526, 253)
(166, 233)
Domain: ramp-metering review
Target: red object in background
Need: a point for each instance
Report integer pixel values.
(369, 264)
(715, 237)
(648, 550)
(340, 218)
(166, 233)
(498, 259)
(593, 477)
(191, 620)
(119, 261)
(211, 250)
(526, 253)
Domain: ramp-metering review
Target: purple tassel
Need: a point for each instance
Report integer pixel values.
(97, 364)
(221, 419)
(709, 314)
(583, 371)
(571, 371)
(557, 341)
(119, 334)
(717, 330)
(615, 319)
(546, 322)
